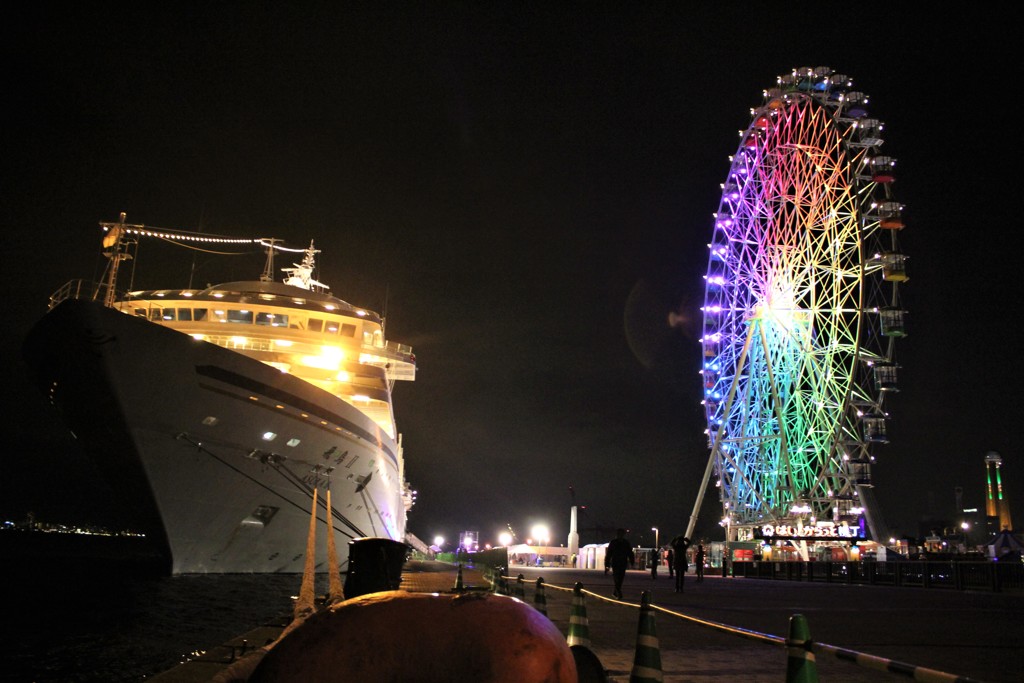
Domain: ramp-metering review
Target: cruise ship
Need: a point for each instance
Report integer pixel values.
(217, 412)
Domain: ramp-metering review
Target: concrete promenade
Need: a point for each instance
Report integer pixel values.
(971, 634)
(976, 635)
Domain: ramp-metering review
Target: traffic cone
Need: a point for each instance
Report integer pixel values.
(540, 601)
(494, 576)
(800, 664)
(458, 588)
(520, 589)
(579, 627)
(647, 661)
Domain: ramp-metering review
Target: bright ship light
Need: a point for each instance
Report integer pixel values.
(329, 359)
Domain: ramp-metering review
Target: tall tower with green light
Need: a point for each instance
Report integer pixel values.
(996, 506)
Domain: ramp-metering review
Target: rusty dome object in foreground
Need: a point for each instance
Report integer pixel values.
(396, 635)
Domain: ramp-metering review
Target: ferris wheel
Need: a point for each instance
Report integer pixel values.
(802, 311)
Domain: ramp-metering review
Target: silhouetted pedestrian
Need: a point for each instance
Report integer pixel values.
(619, 555)
(680, 544)
(698, 561)
(670, 562)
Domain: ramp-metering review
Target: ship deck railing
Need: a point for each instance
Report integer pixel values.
(78, 289)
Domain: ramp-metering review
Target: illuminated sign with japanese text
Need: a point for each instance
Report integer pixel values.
(789, 532)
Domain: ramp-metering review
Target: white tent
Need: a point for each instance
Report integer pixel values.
(538, 556)
(591, 556)
(1004, 543)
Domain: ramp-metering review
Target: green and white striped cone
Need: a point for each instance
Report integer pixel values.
(458, 588)
(579, 626)
(520, 589)
(647, 660)
(800, 664)
(540, 600)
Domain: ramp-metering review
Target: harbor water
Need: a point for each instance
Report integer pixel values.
(118, 623)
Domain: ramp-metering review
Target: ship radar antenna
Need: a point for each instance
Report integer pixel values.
(301, 274)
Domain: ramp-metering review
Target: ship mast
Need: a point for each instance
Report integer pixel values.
(115, 248)
(268, 270)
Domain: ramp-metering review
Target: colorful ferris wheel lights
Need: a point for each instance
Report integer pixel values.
(793, 312)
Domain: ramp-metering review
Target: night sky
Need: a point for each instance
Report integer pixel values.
(526, 193)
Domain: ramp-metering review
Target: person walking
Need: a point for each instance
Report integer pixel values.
(619, 555)
(698, 561)
(680, 544)
(655, 561)
(670, 561)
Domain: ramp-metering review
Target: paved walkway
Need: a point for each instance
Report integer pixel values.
(975, 635)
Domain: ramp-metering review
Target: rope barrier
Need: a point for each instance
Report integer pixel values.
(918, 673)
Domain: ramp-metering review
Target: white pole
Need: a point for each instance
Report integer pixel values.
(574, 537)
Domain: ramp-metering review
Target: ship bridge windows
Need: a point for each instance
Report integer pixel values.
(331, 327)
(154, 311)
(240, 316)
(272, 319)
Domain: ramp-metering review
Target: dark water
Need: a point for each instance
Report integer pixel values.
(112, 622)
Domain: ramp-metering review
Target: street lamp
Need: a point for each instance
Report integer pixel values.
(655, 530)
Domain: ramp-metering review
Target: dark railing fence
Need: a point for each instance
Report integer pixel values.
(949, 574)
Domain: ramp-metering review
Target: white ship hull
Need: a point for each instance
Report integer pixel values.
(182, 428)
